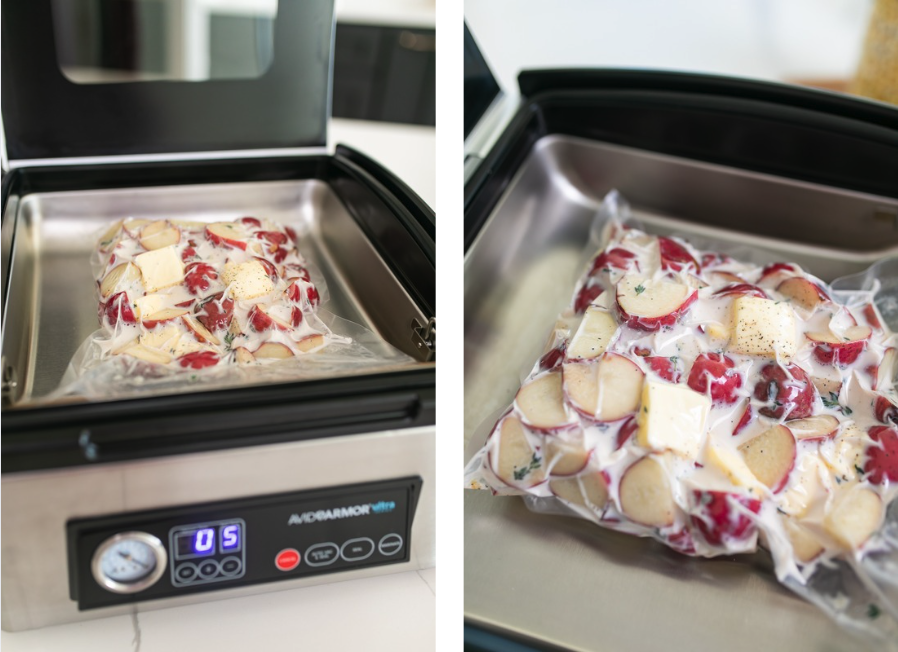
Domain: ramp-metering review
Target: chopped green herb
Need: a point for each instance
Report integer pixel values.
(229, 340)
(847, 410)
(832, 401)
(607, 270)
(674, 359)
(838, 479)
(859, 470)
(522, 473)
(873, 611)
(780, 510)
(640, 289)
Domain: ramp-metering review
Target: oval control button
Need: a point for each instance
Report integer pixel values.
(186, 572)
(357, 549)
(390, 544)
(231, 566)
(209, 568)
(322, 554)
(287, 559)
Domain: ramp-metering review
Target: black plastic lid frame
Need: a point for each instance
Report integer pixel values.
(46, 116)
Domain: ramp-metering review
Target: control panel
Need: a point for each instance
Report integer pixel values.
(168, 552)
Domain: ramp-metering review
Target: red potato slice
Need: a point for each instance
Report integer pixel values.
(831, 349)
(724, 277)
(771, 456)
(805, 546)
(715, 375)
(887, 369)
(723, 517)
(513, 459)
(856, 513)
(159, 234)
(552, 359)
(273, 351)
(821, 426)
(886, 409)
(147, 354)
(227, 234)
(645, 494)
(541, 403)
(788, 391)
(564, 458)
(615, 258)
(118, 309)
(261, 321)
(588, 490)
(124, 273)
(872, 317)
(882, 455)
(162, 316)
(648, 304)
(133, 227)
(675, 256)
(608, 389)
(199, 359)
(111, 237)
(666, 368)
(774, 274)
(585, 297)
(200, 332)
(243, 356)
(739, 289)
(803, 293)
(596, 332)
(626, 432)
(310, 343)
(744, 420)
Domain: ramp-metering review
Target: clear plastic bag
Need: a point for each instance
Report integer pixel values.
(859, 591)
(99, 371)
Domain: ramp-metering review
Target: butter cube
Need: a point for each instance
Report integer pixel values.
(149, 305)
(247, 280)
(672, 417)
(763, 327)
(161, 268)
(733, 466)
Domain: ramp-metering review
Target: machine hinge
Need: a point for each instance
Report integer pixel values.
(425, 337)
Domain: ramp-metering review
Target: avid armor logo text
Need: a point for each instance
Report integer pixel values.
(382, 507)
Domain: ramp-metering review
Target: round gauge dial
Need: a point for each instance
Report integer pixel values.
(129, 562)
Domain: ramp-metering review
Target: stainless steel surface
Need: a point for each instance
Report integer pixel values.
(565, 581)
(36, 506)
(51, 306)
(161, 558)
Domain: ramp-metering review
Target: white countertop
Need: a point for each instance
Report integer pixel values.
(409, 151)
(766, 39)
(391, 613)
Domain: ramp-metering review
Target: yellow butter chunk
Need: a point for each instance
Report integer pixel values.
(763, 327)
(733, 466)
(672, 417)
(247, 280)
(161, 268)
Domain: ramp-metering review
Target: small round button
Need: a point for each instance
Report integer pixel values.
(186, 572)
(208, 569)
(287, 559)
(390, 544)
(231, 566)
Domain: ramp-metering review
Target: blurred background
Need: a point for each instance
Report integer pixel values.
(384, 89)
(824, 43)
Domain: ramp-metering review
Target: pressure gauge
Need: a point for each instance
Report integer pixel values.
(129, 562)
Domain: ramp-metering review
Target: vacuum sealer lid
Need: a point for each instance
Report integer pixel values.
(46, 115)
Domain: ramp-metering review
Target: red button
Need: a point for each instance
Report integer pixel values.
(287, 559)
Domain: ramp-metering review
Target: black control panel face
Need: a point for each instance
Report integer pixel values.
(164, 553)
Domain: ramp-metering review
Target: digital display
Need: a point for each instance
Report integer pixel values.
(208, 540)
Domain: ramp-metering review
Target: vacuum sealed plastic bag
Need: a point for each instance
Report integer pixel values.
(718, 401)
(184, 303)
